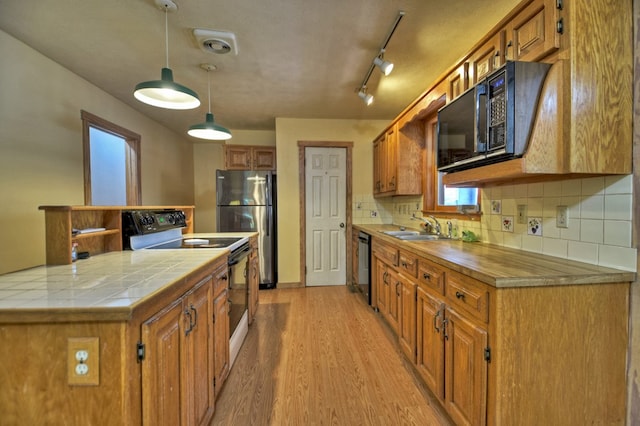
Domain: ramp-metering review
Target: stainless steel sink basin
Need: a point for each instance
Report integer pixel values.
(422, 237)
(400, 233)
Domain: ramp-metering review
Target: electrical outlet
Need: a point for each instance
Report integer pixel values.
(83, 361)
(373, 213)
(562, 217)
(521, 218)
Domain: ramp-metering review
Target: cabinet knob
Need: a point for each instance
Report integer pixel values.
(426, 276)
(459, 295)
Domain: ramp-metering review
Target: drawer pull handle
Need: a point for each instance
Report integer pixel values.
(426, 276)
(459, 295)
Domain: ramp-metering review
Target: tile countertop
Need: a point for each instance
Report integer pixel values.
(503, 267)
(114, 282)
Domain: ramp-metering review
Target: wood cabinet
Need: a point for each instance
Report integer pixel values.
(458, 81)
(473, 341)
(487, 58)
(534, 32)
(61, 221)
(254, 279)
(249, 157)
(397, 163)
(187, 355)
(177, 378)
(583, 124)
(220, 310)
(355, 258)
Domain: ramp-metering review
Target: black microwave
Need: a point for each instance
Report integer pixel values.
(491, 121)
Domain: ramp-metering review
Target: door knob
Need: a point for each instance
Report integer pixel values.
(341, 224)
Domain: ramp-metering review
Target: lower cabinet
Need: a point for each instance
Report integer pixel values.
(254, 280)
(507, 355)
(186, 355)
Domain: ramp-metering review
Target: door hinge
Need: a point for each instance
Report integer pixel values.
(140, 350)
(559, 4)
(560, 26)
(487, 354)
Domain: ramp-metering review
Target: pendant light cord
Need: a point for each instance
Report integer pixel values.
(209, 88)
(166, 34)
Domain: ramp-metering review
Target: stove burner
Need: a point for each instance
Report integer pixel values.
(208, 242)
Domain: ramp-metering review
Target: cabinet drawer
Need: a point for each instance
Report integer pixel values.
(384, 252)
(408, 264)
(220, 279)
(468, 294)
(430, 276)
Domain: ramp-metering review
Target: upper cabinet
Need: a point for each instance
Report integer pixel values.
(535, 32)
(583, 123)
(397, 163)
(249, 157)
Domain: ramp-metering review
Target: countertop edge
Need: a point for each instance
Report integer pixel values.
(467, 259)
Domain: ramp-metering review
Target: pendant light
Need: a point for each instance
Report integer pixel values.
(165, 93)
(208, 129)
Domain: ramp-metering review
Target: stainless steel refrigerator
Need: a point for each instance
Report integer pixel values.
(246, 202)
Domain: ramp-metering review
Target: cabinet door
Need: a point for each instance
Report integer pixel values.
(237, 157)
(382, 291)
(394, 298)
(197, 365)
(378, 165)
(355, 255)
(487, 58)
(429, 341)
(391, 159)
(466, 370)
(162, 391)
(407, 326)
(221, 339)
(254, 284)
(458, 81)
(532, 34)
(264, 158)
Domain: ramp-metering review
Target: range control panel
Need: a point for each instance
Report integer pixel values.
(141, 222)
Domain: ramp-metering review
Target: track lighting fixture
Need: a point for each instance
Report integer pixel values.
(208, 129)
(367, 98)
(165, 93)
(385, 66)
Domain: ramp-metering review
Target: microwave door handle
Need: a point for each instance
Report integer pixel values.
(481, 121)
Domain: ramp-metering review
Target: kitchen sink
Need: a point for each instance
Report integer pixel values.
(422, 237)
(399, 234)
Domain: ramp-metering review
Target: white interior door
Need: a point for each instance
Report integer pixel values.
(325, 204)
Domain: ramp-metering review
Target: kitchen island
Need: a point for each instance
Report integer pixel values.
(504, 336)
(124, 337)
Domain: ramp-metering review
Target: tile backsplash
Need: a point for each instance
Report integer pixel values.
(596, 228)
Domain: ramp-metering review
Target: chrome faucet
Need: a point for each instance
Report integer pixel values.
(435, 225)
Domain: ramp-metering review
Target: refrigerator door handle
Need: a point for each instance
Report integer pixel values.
(268, 190)
(268, 219)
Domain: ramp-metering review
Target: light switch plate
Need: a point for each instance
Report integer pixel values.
(562, 217)
(83, 361)
(521, 217)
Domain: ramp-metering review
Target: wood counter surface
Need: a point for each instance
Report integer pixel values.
(503, 267)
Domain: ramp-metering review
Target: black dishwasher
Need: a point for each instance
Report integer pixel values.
(364, 263)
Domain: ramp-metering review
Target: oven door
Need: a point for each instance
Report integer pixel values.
(238, 285)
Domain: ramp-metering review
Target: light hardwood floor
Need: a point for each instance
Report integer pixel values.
(321, 356)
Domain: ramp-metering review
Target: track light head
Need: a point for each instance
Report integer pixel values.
(385, 66)
(366, 97)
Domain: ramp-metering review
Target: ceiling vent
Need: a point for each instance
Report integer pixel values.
(213, 41)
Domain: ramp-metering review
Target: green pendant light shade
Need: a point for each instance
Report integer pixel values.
(209, 129)
(165, 93)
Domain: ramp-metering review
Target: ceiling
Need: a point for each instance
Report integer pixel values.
(295, 59)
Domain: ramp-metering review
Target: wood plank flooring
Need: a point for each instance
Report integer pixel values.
(321, 356)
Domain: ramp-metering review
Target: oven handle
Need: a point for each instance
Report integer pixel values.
(237, 256)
